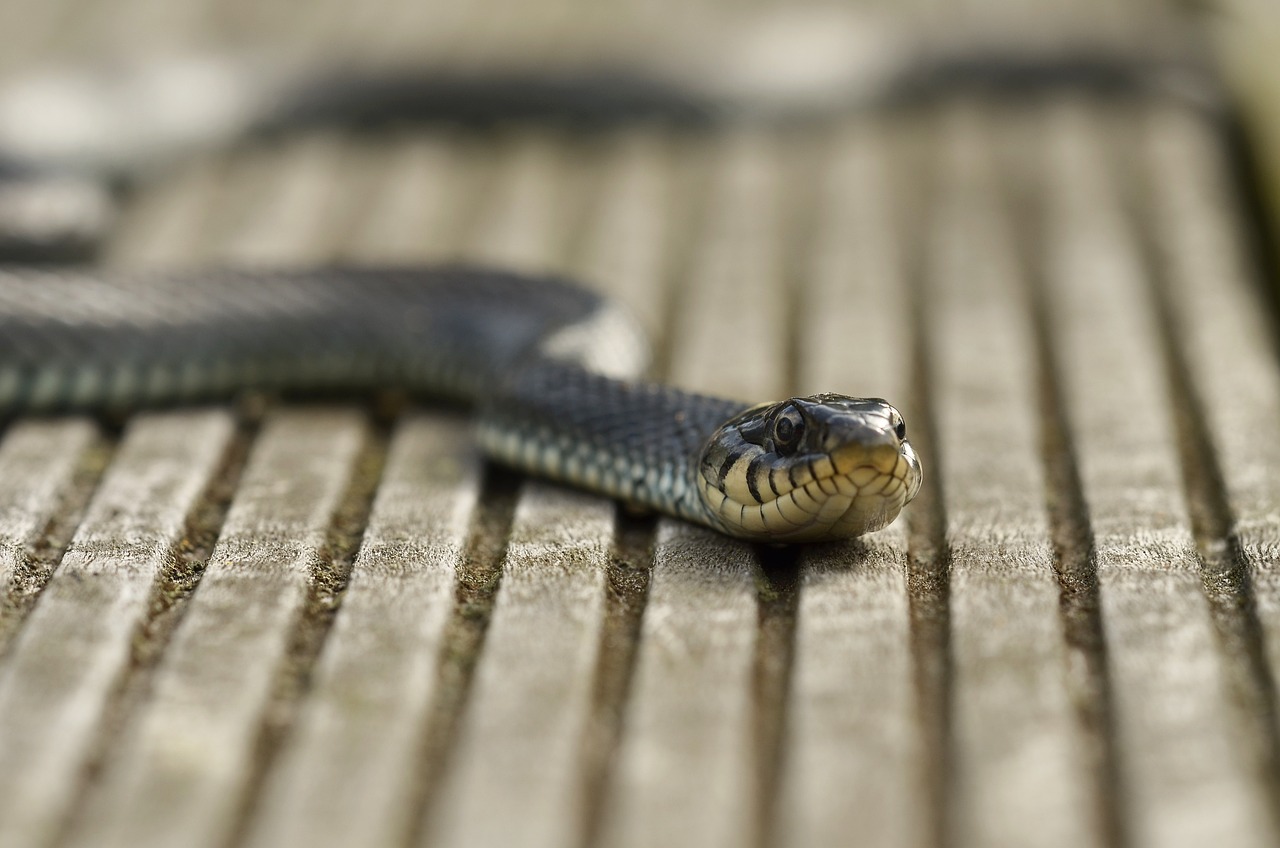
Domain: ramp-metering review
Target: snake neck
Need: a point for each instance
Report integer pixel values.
(528, 353)
(635, 441)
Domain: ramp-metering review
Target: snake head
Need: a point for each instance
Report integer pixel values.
(809, 469)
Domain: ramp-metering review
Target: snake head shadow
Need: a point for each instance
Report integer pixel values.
(809, 469)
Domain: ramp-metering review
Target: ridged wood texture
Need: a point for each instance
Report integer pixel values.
(277, 625)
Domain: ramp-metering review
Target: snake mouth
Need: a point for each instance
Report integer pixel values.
(852, 491)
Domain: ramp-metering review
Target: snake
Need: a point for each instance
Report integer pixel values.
(553, 372)
(550, 368)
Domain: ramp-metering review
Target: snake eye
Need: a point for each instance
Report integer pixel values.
(899, 426)
(788, 430)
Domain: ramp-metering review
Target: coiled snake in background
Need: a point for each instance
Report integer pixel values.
(551, 369)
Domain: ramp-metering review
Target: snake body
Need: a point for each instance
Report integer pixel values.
(551, 369)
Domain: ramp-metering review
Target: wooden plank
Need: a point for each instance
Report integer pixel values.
(684, 770)
(524, 226)
(1184, 781)
(42, 464)
(1220, 316)
(687, 768)
(169, 224)
(258, 601)
(738, 259)
(853, 758)
(1018, 778)
(515, 775)
(348, 772)
(74, 652)
(303, 203)
(515, 778)
(182, 770)
(627, 254)
(629, 257)
(425, 198)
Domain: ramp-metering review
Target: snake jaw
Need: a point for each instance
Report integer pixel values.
(809, 469)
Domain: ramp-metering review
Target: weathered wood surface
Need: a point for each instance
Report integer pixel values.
(854, 749)
(1012, 720)
(305, 625)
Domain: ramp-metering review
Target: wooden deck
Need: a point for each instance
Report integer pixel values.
(277, 624)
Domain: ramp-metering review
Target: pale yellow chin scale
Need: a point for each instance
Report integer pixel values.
(853, 491)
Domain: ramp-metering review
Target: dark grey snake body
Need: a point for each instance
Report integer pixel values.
(549, 367)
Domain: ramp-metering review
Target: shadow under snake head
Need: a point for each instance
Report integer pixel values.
(827, 466)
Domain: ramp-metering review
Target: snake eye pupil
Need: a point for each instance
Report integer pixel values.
(901, 429)
(787, 431)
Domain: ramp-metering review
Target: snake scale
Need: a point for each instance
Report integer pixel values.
(552, 370)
